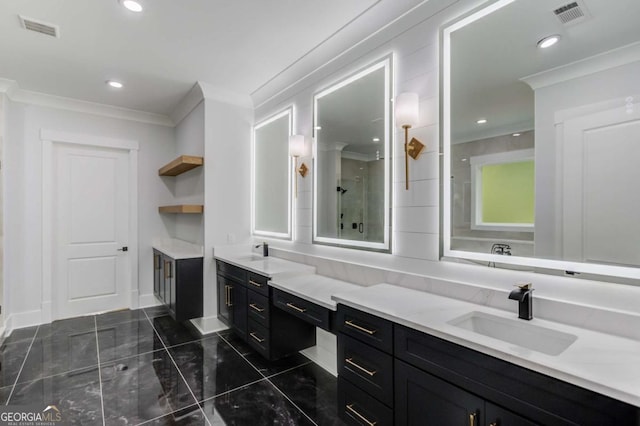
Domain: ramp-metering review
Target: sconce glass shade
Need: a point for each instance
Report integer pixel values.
(297, 147)
(407, 109)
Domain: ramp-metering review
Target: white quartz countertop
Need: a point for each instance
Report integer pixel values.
(268, 266)
(603, 363)
(178, 249)
(314, 288)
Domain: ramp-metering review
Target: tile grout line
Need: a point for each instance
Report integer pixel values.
(95, 322)
(293, 403)
(24, 361)
(272, 384)
(177, 368)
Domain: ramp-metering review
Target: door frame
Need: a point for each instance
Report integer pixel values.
(49, 140)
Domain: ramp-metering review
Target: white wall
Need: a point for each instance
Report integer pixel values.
(416, 67)
(227, 214)
(615, 83)
(24, 196)
(189, 187)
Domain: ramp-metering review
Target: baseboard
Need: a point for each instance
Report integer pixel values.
(21, 320)
(208, 325)
(147, 301)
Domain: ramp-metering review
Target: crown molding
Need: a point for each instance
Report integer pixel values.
(591, 65)
(16, 94)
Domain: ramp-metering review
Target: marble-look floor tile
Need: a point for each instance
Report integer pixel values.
(126, 339)
(142, 388)
(118, 317)
(59, 352)
(173, 333)
(240, 345)
(11, 358)
(211, 367)
(21, 335)
(256, 405)
(67, 327)
(269, 368)
(312, 389)
(189, 416)
(156, 311)
(75, 394)
(4, 394)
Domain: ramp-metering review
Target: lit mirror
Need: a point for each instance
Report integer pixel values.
(351, 185)
(541, 124)
(272, 176)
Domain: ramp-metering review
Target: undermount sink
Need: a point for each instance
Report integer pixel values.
(516, 331)
(251, 258)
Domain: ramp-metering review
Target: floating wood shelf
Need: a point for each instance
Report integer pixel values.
(182, 164)
(182, 208)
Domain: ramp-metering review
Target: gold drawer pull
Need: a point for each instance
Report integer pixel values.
(256, 307)
(472, 419)
(359, 367)
(360, 416)
(259, 340)
(358, 327)
(255, 283)
(295, 308)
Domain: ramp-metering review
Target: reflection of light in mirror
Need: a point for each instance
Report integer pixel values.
(482, 121)
(376, 139)
(318, 127)
(515, 135)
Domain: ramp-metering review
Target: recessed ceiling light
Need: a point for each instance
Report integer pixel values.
(482, 121)
(464, 159)
(318, 127)
(115, 84)
(548, 41)
(516, 134)
(132, 5)
(376, 139)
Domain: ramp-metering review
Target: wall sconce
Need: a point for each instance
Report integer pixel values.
(298, 148)
(407, 111)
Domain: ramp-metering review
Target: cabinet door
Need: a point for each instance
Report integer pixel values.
(157, 273)
(238, 309)
(422, 399)
(224, 299)
(498, 416)
(169, 274)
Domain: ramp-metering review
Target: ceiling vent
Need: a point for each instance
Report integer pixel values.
(39, 26)
(572, 13)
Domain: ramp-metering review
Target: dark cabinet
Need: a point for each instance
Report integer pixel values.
(245, 305)
(178, 285)
(365, 368)
(498, 416)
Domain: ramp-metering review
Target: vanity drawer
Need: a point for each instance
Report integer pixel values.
(258, 338)
(231, 271)
(301, 308)
(258, 283)
(258, 308)
(357, 408)
(367, 328)
(368, 368)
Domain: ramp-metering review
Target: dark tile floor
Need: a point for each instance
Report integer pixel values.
(141, 367)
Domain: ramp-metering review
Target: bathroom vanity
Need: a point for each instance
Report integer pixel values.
(411, 359)
(177, 277)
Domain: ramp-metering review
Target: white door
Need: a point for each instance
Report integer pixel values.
(91, 228)
(601, 163)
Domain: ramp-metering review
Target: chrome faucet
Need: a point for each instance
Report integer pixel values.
(524, 297)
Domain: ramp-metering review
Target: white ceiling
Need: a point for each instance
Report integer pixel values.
(159, 54)
(491, 55)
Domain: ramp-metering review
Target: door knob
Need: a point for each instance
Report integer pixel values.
(125, 248)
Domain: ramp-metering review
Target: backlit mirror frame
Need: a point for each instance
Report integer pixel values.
(529, 262)
(288, 112)
(385, 63)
